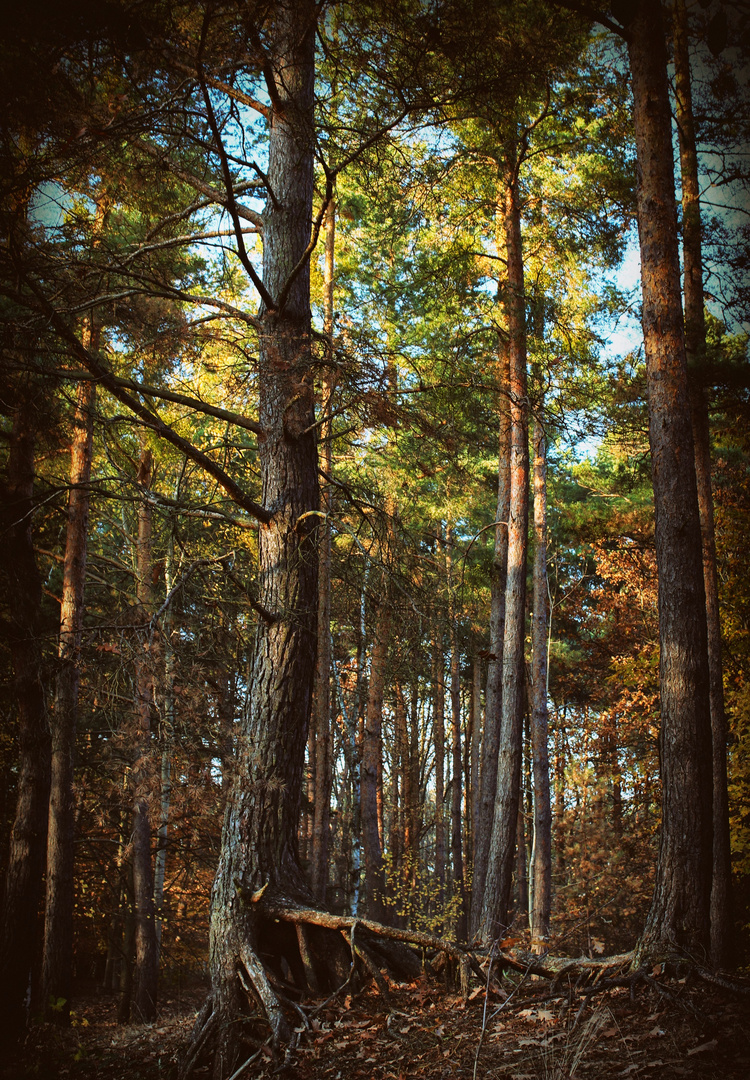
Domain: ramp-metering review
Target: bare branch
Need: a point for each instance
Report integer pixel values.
(149, 418)
(213, 193)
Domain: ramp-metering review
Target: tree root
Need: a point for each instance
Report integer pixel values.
(732, 986)
(315, 965)
(261, 986)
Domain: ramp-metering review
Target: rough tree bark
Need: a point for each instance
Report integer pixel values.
(372, 751)
(19, 928)
(475, 743)
(678, 919)
(695, 348)
(493, 693)
(259, 842)
(496, 901)
(167, 738)
(438, 738)
(146, 970)
(541, 851)
(457, 858)
(323, 757)
(57, 960)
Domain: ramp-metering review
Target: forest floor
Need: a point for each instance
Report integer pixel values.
(666, 1029)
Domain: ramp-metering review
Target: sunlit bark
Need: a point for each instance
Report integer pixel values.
(679, 915)
(695, 348)
(496, 901)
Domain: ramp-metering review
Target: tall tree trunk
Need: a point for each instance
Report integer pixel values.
(372, 750)
(19, 927)
(57, 961)
(457, 858)
(541, 858)
(496, 901)
(493, 694)
(167, 742)
(438, 737)
(522, 868)
(474, 750)
(322, 697)
(259, 841)
(407, 791)
(695, 348)
(415, 803)
(679, 917)
(399, 786)
(146, 974)
(560, 796)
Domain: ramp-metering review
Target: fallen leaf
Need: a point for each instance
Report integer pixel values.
(704, 1046)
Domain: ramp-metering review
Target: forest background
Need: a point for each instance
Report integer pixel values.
(473, 195)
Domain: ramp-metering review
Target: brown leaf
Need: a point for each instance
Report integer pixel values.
(704, 1046)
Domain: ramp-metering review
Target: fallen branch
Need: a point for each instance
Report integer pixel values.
(722, 981)
(346, 922)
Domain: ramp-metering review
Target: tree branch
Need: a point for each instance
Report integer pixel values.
(165, 395)
(205, 188)
(149, 418)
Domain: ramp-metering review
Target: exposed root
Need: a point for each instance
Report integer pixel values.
(732, 986)
(262, 988)
(305, 952)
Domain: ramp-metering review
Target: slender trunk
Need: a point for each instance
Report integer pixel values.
(457, 858)
(475, 743)
(496, 901)
(322, 697)
(679, 917)
(407, 791)
(560, 797)
(522, 868)
(438, 736)
(167, 742)
(146, 972)
(352, 849)
(541, 873)
(493, 695)
(57, 960)
(125, 981)
(416, 802)
(371, 765)
(19, 936)
(695, 348)
(402, 793)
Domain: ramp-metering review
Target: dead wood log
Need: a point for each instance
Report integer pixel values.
(296, 914)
